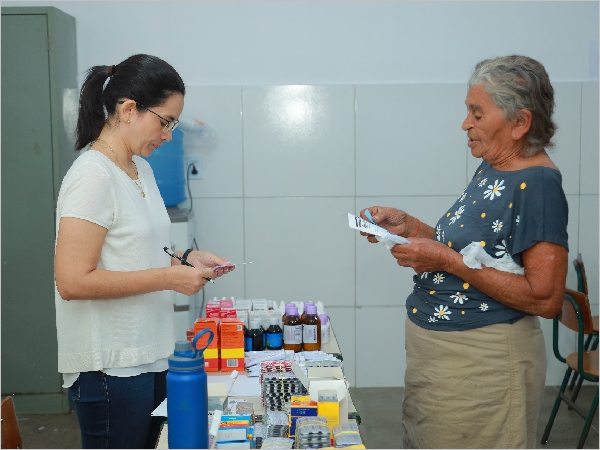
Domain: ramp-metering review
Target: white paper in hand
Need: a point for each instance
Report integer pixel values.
(384, 236)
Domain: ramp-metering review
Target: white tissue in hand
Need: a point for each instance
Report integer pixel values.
(474, 256)
(389, 240)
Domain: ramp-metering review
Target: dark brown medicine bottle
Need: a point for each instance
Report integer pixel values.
(311, 329)
(292, 330)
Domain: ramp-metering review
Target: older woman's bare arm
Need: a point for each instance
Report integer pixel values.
(538, 292)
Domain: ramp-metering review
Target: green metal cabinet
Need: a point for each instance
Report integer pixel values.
(39, 112)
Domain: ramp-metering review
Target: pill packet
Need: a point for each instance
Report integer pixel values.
(346, 435)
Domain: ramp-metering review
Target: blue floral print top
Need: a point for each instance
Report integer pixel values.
(508, 212)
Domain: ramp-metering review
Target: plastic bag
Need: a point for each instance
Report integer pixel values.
(474, 256)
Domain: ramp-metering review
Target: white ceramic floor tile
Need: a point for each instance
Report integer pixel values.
(298, 140)
(343, 321)
(380, 353)
(567, 151)
(588, 242)
(220, 230)
(409, 139)
(302, 249)
(589, 139)
(380, 280)
(219, 108)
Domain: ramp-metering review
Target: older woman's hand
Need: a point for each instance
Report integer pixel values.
(392, 219)
(423, 255)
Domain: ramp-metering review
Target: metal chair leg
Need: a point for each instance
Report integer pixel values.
(556, 406)
(576, 390)
(588, 421)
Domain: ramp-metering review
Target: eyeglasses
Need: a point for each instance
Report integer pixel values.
(170, 125)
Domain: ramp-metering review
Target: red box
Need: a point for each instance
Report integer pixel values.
(213, 309)
(227, 313)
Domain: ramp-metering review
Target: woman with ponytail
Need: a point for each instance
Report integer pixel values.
(114, 282)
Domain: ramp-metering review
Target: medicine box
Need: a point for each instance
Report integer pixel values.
(213, 309)
(232, 344)
(233, 428)
(211, 353)
(303, 408)
(235, 444)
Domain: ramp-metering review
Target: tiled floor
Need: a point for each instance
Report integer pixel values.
(379, 409)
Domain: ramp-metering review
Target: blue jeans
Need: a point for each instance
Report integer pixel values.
(114, 412)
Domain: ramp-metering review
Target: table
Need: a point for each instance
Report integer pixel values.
(330, 347)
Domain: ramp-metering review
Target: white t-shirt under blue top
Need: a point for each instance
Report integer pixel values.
(131, 335)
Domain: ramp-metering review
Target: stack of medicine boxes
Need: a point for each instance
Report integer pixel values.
(300, 406)
(235, 431)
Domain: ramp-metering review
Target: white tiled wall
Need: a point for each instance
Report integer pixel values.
(291, 161)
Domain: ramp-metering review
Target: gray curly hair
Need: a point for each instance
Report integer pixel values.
(519, 82)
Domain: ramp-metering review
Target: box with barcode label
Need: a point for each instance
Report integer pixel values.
(232, 344)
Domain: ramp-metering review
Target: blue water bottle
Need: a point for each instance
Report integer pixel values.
(187, 395)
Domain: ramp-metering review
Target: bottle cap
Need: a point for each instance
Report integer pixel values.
(293, 311)
(311, 310)
(254, 323)
(274, 320)
(324, 319)
(182, 346)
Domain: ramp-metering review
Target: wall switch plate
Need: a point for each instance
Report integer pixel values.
(197, 162)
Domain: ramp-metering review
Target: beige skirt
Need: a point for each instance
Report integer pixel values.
(473, 389)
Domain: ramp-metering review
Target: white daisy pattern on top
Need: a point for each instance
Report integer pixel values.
(457, 214)
(442, 312)
(438, 278)
(502, 250)
(494, 190)
(460, 298)
(497, 226)
(483, 307)
(482, 182)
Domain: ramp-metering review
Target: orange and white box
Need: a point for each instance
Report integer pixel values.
(211, 353)
(232, 344)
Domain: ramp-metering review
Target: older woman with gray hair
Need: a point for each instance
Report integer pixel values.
(475, 353)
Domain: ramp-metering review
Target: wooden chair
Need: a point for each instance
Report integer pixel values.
(591, 342)
(575, 315)
(11, 435)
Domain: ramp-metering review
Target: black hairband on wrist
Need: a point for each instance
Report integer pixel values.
(186, 254)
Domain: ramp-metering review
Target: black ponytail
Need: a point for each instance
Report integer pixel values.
(91, 117)
(146, 79)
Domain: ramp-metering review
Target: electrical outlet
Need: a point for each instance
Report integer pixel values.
(197, 168)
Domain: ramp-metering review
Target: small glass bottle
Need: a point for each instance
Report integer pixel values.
(304, 313)
(274, 335)
(311, 330)
(286, 311)
(246, 337)
(255, 336)
(292, 331)
(325, 328)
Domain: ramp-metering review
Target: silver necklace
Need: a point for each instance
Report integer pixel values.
(137, 181)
